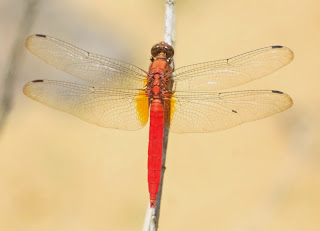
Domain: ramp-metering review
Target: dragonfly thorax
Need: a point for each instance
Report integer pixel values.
(159, 75)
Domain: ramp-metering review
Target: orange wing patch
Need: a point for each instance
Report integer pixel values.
(172, 107)
(142, 107)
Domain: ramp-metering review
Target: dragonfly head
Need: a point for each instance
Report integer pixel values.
(162, 47)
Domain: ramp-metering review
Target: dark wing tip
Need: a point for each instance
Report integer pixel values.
(40, 35)
(30, 87)
(277, 92)
(285, 98)
(30, 38)
(286, 50)
(277, 46)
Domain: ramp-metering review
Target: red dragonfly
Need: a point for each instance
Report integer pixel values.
(121, 95)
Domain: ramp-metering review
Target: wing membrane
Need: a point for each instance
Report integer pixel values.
(226, 73)
(85, 65)
(207, 112)
(112, 108)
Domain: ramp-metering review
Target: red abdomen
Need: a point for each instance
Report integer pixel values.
(155, 148)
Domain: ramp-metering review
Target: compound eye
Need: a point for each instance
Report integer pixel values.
(155, 50)
(162, 48)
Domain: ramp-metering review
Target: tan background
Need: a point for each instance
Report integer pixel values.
(60, 173)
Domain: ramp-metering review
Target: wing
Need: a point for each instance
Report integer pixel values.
(112, 108)
(85, 65)
(207, 112)
(226, 73)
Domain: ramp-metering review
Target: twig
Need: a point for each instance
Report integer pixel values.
(148, 218)
(153, 214)
(169, 23)
(15, 60)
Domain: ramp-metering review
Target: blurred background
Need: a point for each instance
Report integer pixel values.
(60, 173)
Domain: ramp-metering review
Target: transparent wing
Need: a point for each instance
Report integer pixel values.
(208, 112)
(112, 108)
(85, 65)
(226, 73)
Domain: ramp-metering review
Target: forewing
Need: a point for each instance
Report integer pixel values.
(208, 112)
(226, 73)
(111, 108)
(85, 65)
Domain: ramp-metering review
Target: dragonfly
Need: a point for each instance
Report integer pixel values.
(188, 99)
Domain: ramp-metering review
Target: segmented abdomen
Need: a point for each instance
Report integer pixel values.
(155, 148)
